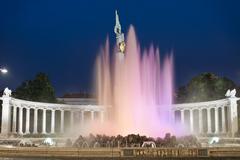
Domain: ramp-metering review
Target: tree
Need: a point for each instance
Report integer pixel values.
(205, 87)
(39, 89)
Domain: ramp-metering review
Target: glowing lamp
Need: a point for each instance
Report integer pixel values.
(4, 70)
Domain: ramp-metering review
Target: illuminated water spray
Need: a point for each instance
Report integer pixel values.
(135, 88)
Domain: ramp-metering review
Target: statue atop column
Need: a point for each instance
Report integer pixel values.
(231, 93)
(119, 35)
(7, 92)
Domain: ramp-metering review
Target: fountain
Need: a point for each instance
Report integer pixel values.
(136, 89)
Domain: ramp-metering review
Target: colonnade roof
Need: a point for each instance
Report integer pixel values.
(43, 105)
(89, 107)
(215, 103)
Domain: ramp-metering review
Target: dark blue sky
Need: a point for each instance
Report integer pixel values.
(61, 38)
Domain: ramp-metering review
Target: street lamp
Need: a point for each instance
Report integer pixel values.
(3, 70)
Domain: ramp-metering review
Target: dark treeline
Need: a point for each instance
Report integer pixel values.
(205, 87)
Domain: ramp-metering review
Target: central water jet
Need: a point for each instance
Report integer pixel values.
(135, 88)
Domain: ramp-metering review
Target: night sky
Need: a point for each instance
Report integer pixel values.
(62, 38)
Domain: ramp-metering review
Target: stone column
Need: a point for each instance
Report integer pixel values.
(6, 115)
(35, 125)
(92, 116)
(233, 116)
(223, 120)
(102, 116)
(44, 122)
(71, 120)
(216, 121)
(27, 120)
(14, 123)
(209, 123)
(200, 121)
(82, 117)
(53, 121)
(191, 120)
(182, 117)
(62, 121)
(20, 118)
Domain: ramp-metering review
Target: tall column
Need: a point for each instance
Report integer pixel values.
(182, 117)
(200, 121)
(20, 118)
(71, 120)
(223, 120)
(233, 116)
(53, 121)
(191, 120)
(209, 123)
(216, 121)
(14, 123)
(35, 126)
(82, 117)
(44, 122)
(102, 116)
(62, 121)
(27, 120)
(6, 115)
(174, 120)
(92, 116)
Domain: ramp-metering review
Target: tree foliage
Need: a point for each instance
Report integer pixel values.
(38, 89)
(205, 87)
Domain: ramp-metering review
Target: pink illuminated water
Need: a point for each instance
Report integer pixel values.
(137, 90)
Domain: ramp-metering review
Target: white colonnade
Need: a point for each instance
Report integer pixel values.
(209, 118)
(22, 117)
(27, 117)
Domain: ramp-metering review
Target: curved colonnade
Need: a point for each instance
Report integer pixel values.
(27, 117)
